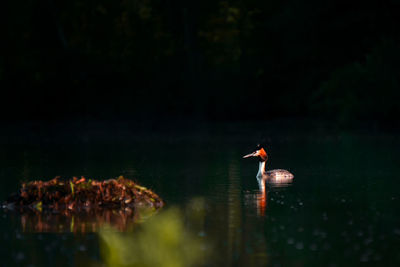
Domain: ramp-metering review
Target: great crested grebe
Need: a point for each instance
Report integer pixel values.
(278, 177)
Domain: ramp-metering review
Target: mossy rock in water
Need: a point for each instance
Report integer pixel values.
(80, 194)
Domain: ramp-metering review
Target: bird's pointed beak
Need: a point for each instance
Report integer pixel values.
(254, 154)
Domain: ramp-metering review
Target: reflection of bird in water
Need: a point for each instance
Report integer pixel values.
(275, 178)
(261, 203)
(257, 201)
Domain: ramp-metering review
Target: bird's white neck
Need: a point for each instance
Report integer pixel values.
(261, 169)
(260, 175)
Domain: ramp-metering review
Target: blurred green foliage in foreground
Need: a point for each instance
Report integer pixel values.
(163, 240)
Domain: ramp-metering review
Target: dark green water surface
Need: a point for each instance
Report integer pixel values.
(341, 210)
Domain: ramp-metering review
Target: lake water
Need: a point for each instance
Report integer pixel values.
(341, 209)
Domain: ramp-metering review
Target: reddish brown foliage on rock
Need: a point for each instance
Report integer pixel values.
(78, 194)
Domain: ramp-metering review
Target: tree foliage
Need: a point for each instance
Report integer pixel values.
(281, 58)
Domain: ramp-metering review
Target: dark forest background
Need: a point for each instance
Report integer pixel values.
(202, 60)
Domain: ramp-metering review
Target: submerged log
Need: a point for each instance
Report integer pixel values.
(58, 195)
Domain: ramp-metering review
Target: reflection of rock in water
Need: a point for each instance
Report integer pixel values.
(87, 220)
(81, 205)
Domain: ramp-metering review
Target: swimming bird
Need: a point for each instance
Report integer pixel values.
(278, 177)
